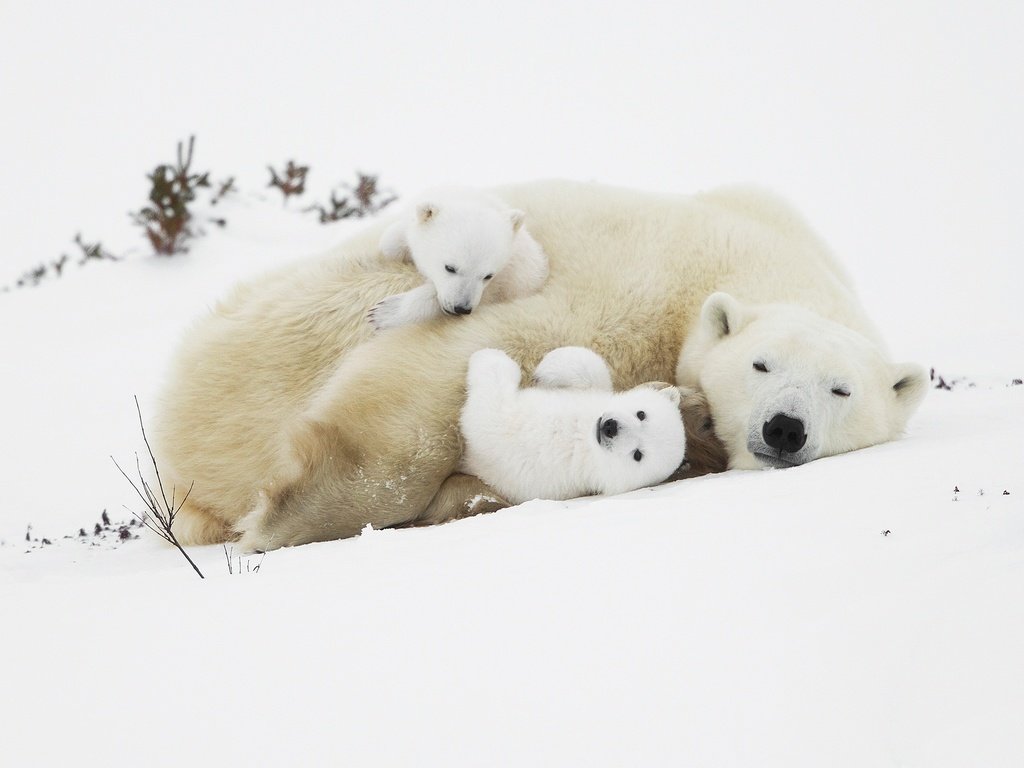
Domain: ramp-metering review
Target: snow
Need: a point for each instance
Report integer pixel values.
(750, 618)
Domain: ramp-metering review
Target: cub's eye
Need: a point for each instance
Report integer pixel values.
(488, 277)
(840, 392)
(641, 415)
(759, 366)
(450, 268)
(637, 455)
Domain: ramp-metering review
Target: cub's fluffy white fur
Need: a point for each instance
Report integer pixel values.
(573, 368)
(567, 438)
(469, 246)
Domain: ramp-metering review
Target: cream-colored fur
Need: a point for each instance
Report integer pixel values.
(285, 390)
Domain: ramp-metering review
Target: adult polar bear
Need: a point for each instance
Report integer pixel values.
(294, 422)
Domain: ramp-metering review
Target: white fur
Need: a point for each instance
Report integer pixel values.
(469, 246)
(547, 442)
(573, 368)
(285, 387)
(833, 382)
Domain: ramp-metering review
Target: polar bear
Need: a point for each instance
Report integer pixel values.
(569, 440)
(293, 421)
(469, 246)
(788, 385)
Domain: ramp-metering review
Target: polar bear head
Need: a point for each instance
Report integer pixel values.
(786, 385)
(638, 439)
(459, 245)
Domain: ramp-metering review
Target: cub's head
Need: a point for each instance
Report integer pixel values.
(787, 386)
(459, 246)
(639, 439)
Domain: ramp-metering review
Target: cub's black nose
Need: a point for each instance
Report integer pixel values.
(610, 428)
(784, 433)
(461, 310)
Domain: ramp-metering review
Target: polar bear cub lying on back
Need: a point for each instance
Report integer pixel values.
(463, 242)
(571, 435)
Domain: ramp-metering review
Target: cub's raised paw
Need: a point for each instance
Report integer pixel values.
(573, 368)
(489, 367)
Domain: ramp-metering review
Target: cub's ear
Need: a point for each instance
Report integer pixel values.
(909, 384)
(425, 212)
(673, 394)
(722, 315)
(517, 217)
(671, 391)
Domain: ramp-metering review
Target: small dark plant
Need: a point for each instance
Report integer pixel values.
(291, 182)
(90, 252)
(224, 188)
(365, 198)
(160, 511)
(33, 276)
(167, 219)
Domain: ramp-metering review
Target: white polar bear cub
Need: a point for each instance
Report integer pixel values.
(462, 241)
(562, 440)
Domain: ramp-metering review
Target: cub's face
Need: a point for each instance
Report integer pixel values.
(786, 386)
(639, 439)
(459, 248)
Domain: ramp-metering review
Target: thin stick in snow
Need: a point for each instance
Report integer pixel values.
(160, 512)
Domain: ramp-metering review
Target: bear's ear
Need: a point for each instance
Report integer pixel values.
(909, 383)
(425, 212)
(722, 315)
(664, 388)
(672, 393)
(517, 217)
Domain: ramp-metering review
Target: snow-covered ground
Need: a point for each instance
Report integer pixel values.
(851, 612)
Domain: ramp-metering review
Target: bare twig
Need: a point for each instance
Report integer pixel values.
(160, 511)
(249, 567)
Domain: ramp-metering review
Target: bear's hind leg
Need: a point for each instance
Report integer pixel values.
(193, 525)
(459, 496)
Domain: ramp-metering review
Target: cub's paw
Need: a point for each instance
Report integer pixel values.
(492, 366)
(387, 313)
(573, 368)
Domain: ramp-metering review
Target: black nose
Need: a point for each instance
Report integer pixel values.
(610, 428)
(461, 310)
(784, 433)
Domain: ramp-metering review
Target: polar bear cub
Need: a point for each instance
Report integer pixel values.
(566, 437)
(464, 242)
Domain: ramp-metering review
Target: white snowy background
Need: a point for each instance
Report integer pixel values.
(751, 618)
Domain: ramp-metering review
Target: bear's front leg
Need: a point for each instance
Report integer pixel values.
(415, 306)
